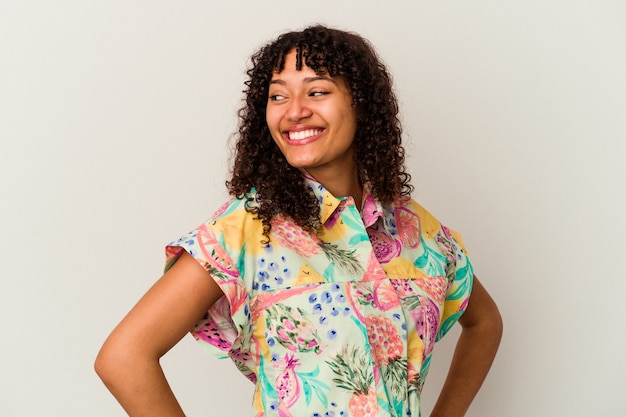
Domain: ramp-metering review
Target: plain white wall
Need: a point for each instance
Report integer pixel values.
(114, 119)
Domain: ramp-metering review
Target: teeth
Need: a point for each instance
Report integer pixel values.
(303, 134)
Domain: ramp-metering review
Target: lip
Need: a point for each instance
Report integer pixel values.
(305, 141)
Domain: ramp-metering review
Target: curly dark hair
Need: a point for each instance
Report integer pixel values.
(259, 163)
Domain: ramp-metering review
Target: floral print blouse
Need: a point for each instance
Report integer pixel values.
(338, 323)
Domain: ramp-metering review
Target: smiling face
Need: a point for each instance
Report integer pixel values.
(312, 120)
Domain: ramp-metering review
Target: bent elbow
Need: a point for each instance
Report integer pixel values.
(112, 364)
(104, 364)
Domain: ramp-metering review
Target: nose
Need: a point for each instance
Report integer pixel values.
(298, 109)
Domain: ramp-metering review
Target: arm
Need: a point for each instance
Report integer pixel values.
(474, 353)
(128, 362)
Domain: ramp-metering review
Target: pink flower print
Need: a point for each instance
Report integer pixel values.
(385, 297)
(282, 333)
(296, 315)
(307, 336)
(364, 296)
(289, 324)
(407, 224)
(287, 384)
(293, 237)
(312, 344)
(385, 247)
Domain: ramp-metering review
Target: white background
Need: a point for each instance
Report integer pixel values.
(114, 124)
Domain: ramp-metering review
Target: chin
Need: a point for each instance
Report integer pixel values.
(300, 164)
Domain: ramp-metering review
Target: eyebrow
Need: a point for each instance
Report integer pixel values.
(305, 80)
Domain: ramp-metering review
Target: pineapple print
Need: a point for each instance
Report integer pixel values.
(416, 382)
(293, 237)
(384, 339)
(387, 348)
(354, 373)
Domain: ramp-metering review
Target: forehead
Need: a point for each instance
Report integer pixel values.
(292, 65)
(301, 59)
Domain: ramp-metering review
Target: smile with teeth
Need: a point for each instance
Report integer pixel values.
(303, 134)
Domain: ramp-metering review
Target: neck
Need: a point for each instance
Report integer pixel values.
(342, 183)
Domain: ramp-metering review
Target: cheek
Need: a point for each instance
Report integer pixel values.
(273, 126)
(272, 119)
(350, 122)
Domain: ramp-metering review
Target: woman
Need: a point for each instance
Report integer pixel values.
(321, 279)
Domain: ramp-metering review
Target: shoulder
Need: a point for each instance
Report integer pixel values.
(234, 226)
(234, 206)
(408, 210)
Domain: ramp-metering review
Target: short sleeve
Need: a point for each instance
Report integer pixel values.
(223, 329)
(460, 274)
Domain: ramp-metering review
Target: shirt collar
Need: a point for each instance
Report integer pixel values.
(371, 211)
(372, 208)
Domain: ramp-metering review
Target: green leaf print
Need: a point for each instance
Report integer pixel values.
(353, 224)
(353, 370)
(395, 374)
(384, 406)
(447, 324)
(241, 262)
(411, 302)
(269, 392)
(417, 384)
(358, 238)
(306, 388)
(216, 273)
(312, 385)
(460, 291)
(430, 261)
(329, 273)
(467, 270)
(343, 258)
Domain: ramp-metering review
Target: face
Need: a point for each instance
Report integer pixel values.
(312, 120)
